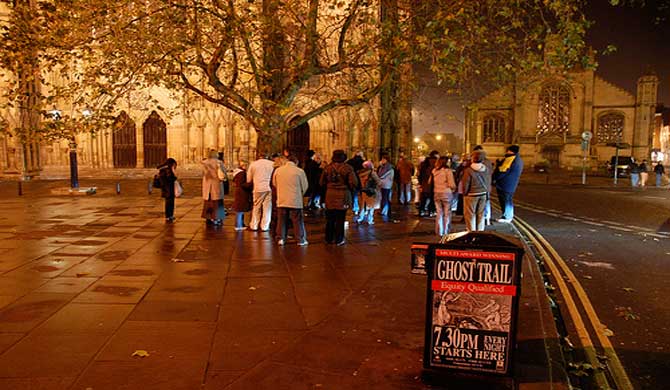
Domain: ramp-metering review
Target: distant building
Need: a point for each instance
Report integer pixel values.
(661, 138)
(443, 142)
(547, 114)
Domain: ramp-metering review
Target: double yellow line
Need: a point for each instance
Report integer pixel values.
(561, 271)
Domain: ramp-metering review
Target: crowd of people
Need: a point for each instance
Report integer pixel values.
(273, 189)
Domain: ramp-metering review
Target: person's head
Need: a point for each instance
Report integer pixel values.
(368, 164)
(360, 154)
(339, 156)
(512, 149)
(171, 162)
(442, 162)
(310, 154)
(644, 161)
(242, 164)
(384, 158)
(292, 158)
(220, 156)
(213, 154)
(478, 147)
(286, 152)
(434, 154)
(478, 156)
(275, 157)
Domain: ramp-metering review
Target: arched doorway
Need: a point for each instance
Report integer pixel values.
(124, 142)
(155, 140)
(297, 140)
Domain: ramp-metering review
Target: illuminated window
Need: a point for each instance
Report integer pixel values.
(554, 110)
(495, 129)
(610, 128)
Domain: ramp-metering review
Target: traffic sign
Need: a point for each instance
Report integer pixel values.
(587, 135)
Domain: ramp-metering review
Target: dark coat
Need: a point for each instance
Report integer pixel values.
(340, 180)
(425, 170)
(405, 171)
(243, 196)
(167, 179)
(507, 176)
(313, 172)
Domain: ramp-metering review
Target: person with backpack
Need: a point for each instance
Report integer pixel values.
(242, 200)
(385, 172)
(476, 183)
(165, 180)
(370, 183)
(339, 180)
(443, 184)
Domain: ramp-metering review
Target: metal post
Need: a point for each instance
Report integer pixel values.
(584, 163)
(74, 175)
(150, 187)
(118, 188)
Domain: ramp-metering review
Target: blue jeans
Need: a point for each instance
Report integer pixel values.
(385, 204)
(239, 219)
(405, 193)
(506, 204)
(169, 207)
(355, 207)
(443, 219)
(658, 179)
(634, 179)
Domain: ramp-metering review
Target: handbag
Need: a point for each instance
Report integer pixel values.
(178, 189)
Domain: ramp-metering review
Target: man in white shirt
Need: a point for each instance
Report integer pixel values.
(291, 184)
(260, 174)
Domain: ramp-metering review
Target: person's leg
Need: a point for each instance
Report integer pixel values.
(643, 179)
(256, 211)
(447, 213)
(356, 205)
(383, 209)
(267, 210)
(330, 226)
(298, 224)
(501, 202)
(239, 219)
(282, 223)
(469, 213)
(634, 179)
(169, 207)
(401, 194)
(480, 209)
(439, 219)
(340, 216)
(487, 211)
(509, 207)
(408, 193)
(658, 180)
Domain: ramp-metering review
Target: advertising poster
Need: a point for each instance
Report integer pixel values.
(472, 302)
(419, 256)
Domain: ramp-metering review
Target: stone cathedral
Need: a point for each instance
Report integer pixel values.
(139, 140)
(546, 116)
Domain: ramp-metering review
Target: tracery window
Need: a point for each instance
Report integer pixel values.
(554, 110)
(494, 129)
(610, 128)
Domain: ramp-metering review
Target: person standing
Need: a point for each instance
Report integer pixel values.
(659, 170)
(506, 178)
(339, 180)
(426, 204)
(405, 173)
(243, 199)
(356, 162)
(634, 173)
(476, 187)
(644, 173)
(489, 166)
(385, 173)
(259, 174)
(313, 173)
(369, 190)
(291, 184)
(167, 179)
(212, 191)
(444, 185)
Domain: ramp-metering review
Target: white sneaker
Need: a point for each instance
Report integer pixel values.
(281, 242)
(504, 220)
(238, 229)
(303, 243)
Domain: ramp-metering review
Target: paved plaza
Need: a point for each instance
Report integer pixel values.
(89, 284)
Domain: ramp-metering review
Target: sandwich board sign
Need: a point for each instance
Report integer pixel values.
(473, 289)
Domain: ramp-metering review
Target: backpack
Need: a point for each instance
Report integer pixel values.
(157, 182)
(370, 188)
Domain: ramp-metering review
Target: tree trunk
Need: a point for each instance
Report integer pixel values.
(268, 141)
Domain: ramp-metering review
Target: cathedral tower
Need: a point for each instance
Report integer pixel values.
(645, 107)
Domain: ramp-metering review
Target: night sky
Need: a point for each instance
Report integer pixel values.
(642, 46)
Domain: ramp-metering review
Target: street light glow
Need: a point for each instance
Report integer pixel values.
(438, 137)
(416, 140)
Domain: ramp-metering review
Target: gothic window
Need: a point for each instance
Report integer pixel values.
(554, 110)
(495, 129)
(610, 128)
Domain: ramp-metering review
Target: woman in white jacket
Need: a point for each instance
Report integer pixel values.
(442, 180)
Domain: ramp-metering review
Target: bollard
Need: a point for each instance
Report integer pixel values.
(150, 187)
(20, 188)
(118, 188)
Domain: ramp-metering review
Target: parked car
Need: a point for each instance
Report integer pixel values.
(623, 166)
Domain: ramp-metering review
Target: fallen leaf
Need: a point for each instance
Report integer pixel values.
(176, 260)
(588, 277)
(608, 332)
(140, 353)
(79, 275)
(628, 289)
(252, 288)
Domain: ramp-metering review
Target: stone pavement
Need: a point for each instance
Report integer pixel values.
(86, 281)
